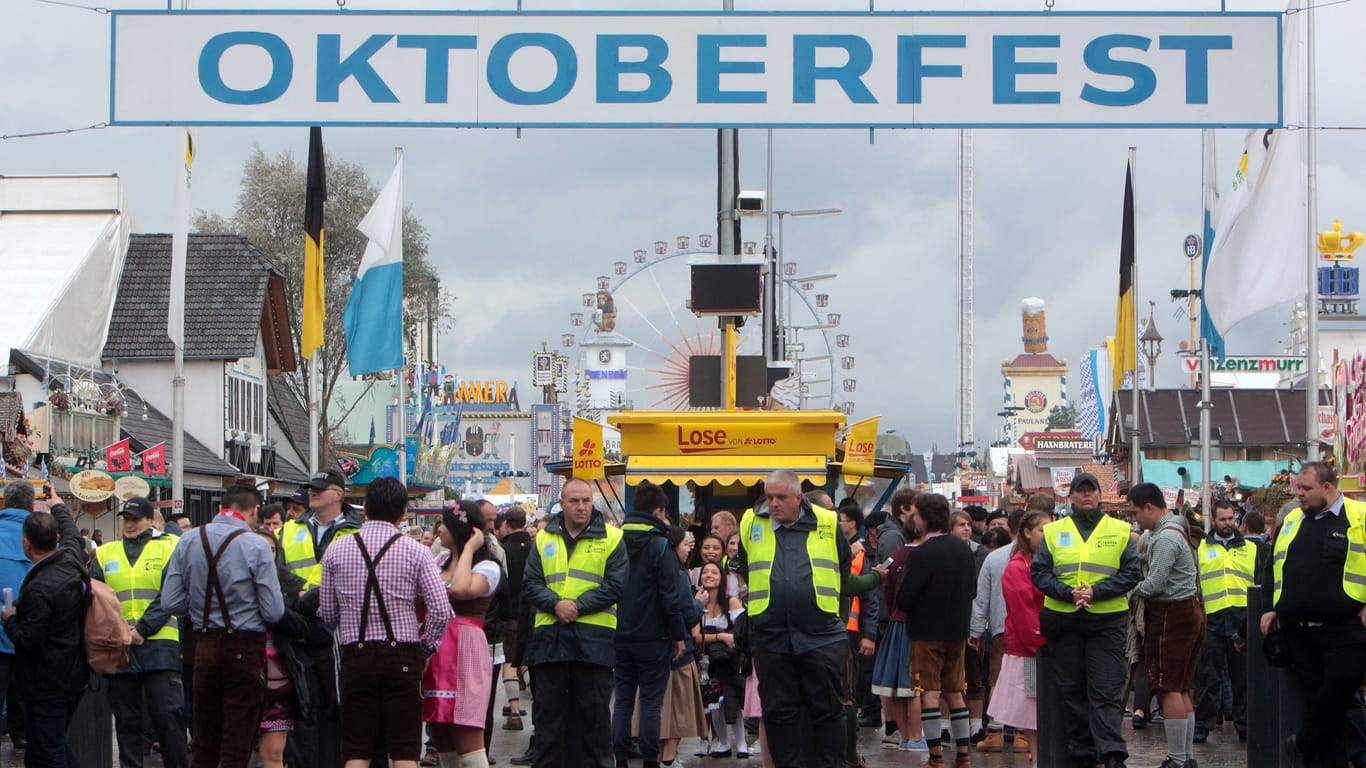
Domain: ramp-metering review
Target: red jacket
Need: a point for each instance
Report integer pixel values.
(1023, 603)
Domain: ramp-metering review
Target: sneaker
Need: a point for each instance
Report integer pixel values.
(918, 745)
(891, 740)
(993, 742)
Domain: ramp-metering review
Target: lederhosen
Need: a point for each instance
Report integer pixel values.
(381, 681)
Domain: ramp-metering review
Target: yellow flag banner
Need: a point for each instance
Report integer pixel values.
(588, 455)
(860, 450)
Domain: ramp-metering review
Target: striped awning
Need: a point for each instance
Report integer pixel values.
(724, 470)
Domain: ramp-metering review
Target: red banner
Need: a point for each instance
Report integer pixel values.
(154, 460)
(118, 457)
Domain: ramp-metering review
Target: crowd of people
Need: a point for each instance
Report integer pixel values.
(311, 633)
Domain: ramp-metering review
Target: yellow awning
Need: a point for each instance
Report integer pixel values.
(725, 470)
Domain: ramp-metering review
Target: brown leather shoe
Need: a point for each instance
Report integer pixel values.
(962, 761)
(992, 743)
(513, 723)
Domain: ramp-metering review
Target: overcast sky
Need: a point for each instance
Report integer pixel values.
(520, 227)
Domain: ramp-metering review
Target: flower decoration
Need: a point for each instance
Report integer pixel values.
(60, 400)
(115, 406)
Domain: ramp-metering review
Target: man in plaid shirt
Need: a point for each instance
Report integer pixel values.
(371, 584)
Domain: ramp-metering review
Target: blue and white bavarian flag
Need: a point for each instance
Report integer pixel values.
(374, 312)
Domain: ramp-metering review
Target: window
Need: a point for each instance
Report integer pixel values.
(245, 403)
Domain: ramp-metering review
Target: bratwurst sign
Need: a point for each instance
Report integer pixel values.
(619, 69)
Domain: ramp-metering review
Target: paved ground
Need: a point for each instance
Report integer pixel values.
(1147, 748)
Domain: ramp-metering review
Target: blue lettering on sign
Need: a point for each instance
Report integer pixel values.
(710, 67)
(566, 68)
(211, 77)
(805, 73)
(1197, 48)
(1097, 57)
(606, 374)
(438, 49)
(910, 70)
(611, 68)
(1005, 69)
(333, 70)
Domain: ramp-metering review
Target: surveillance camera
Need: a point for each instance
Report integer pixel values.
(751, 203)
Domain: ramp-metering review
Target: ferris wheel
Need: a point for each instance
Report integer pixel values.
(636, 337)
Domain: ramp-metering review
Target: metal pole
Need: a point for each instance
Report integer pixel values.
(1134, 463)
(314, 389)
(1205, 437)
(402, 382)
(178, 431)
(1311, 213)
(783, 319)
(728, 239)
(771, 276)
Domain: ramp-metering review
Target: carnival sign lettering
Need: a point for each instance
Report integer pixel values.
(647, 69)
(1249, 365)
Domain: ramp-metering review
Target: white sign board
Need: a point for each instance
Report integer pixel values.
(678, 69)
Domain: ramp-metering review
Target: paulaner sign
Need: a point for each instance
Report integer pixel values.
(617, 69)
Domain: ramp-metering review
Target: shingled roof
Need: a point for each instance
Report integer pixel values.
(232, 293)
(1252, 417)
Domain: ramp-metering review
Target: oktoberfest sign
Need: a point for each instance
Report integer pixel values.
(680, 69)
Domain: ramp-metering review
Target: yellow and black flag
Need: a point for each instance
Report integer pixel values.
(314, 287)
(1126, 342)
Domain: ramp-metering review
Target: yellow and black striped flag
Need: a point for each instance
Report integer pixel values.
(1126, 341)
(315, 307)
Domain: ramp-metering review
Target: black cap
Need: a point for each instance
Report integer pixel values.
(327, 478)
(998, 514)
(977, 512)
(1084, 478)
(137, 506)
(300, 497)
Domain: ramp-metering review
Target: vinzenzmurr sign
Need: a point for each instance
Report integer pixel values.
(618, 69)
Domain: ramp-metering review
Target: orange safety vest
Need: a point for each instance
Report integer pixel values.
(855, 569)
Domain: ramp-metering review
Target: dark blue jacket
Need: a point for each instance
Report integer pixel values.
(650, 608)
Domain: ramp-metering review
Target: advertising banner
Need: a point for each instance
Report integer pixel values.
(860, 450)
(698, 69)
(589, 463)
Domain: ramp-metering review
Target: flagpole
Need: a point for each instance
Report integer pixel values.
(403, 383)
(314, 385)
(1205, 404)
(1134, 464)
(1311, 304)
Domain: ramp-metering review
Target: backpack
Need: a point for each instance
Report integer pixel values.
(106, 634)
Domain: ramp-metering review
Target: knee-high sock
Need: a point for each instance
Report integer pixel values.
(448, 759)
(1175, 728)
(514, 693)
(959, 725)
(737, 735)
(929, 724)
(1190, 735)
(718, 725)
(478, 759)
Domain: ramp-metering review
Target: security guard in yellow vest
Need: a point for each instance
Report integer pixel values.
(574, 576)
(796, 561)
(316, 741)
(1227, 563)
(132, 566)
(1318, 596)
(1085, 567)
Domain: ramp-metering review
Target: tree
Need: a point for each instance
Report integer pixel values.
(1062, 417)
(269, 213)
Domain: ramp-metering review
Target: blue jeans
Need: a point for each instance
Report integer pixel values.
(642, 667)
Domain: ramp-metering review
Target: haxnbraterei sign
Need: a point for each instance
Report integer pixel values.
(679, 69)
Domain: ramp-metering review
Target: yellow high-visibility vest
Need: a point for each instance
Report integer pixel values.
(569, 576)
(137, 585)
(1092, 561)
(1225, 574)
(296, 543)
(822, 548)
(1353, 571)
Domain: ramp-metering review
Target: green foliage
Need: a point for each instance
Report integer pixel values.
(1063, 417)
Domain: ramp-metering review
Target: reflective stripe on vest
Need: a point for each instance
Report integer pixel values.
(855, 569)
(138, 584)
(296, 544)
(760, 543)
(1225, 575)
(572, 575)
(1353, 570)
(1091, 561)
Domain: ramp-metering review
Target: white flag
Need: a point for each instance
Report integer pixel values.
(1258, 256)
(180, 237)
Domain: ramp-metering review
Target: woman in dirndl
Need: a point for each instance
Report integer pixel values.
(459, 678)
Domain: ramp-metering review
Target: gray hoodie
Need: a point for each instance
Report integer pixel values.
(1172, 573)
